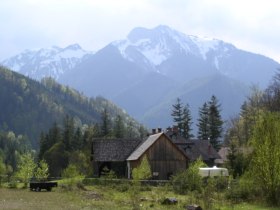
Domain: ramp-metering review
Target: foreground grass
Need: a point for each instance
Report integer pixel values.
(105, 197)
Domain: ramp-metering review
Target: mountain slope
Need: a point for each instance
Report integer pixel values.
(230, 93)
(185, 57)
(151, 67)
(29, 107)
(53, 62)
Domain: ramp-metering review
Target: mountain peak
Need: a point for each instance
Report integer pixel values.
(53, 61)
(73, 47)
(160, 43)
(139, 33)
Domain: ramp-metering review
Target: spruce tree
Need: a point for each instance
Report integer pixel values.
(182, 117)
(119, 127)
(68, 134)
(177, 114)
(203, 123)
(186, 123)
(215, 122)
(106, 124)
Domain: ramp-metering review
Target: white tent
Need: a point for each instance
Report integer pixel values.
(213, 171)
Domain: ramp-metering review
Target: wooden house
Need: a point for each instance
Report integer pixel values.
(112, 153)
(164, 156)
(121, 156)
(195, 148)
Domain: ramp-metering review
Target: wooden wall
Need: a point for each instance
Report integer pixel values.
(164, 157)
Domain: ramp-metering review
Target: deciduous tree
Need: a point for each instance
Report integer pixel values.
(265, 164)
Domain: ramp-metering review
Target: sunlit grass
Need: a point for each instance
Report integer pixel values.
(108, 197)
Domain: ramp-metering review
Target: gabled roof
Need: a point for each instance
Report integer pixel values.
(113, 150)
(195, 148)
(144, 146)
(148, 143)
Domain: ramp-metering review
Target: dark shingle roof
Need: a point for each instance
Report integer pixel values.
(113, 149)
(196, 148)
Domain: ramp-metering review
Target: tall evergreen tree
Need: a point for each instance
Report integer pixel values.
(203, 123)
(215, 122)
(119, 127)
(177, 114)
(68, 133)
(106, 124)
(182, 117)
(186, 123)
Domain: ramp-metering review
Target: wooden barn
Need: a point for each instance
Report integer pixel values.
(122, 156)
(164, 156)
(112, 154)
(195, 148)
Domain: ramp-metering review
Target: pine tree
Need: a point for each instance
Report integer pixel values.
(215, 122)
(177, 114)
(105, 127)
(182, 117)
(68, 134)
(119, 127)
(203, 123)
(186, 123)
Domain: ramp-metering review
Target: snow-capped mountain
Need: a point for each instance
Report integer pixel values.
(160, 43)
(54, 61)
(185, 57)
(145, 72)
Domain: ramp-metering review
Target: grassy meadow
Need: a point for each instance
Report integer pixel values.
(111, 196)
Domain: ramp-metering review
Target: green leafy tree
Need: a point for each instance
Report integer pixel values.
(189, 180)
(2, 169)
(143, 171)
(42, 171)
(265, 164)
(237, 158)
(71, 171)
(57, 158)
(26, 168)
(215, 122)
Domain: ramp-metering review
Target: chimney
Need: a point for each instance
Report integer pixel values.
(175, 130)
(154, 131)
(159, 130)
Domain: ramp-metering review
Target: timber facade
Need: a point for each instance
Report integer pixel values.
(166, 155)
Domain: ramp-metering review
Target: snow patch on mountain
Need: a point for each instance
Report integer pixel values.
(162, 42)
(53, 61)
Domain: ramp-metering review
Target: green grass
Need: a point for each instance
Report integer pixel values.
(106, 197)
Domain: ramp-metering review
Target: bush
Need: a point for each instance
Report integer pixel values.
(188, 180)
(143, 171)
(242, 189)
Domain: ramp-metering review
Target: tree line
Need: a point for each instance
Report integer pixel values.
(253, 142)
(210, 123)
(70, 144)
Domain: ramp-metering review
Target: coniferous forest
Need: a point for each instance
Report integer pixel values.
(48, 118)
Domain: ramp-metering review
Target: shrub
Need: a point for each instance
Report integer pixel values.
(242, 189)
(188, 180)
(143, 171)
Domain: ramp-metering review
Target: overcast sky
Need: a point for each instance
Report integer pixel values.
(253, 25)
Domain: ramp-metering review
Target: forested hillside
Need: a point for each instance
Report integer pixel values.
(29, 107)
